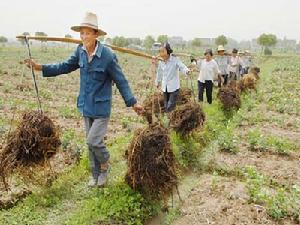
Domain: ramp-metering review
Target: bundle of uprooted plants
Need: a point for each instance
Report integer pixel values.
(229, 97)
(184, 96)
(153, 105)
(151, 163)
(249, 81)
(35, 140)
(187, 118)
(235, 85)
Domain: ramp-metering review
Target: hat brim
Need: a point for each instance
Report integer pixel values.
(77, 29)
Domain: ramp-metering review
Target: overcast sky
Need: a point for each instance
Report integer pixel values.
(239, 19)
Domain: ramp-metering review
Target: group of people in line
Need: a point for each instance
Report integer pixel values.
(220, 69)
(99, 68)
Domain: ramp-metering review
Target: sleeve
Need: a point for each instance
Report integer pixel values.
(233, 62)
(241, 62)
(71, 64)
(199, 62)
(120, 80)
(217, 69)
(182, 68)
(159, 74)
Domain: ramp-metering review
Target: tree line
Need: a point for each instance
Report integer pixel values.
(266, 41)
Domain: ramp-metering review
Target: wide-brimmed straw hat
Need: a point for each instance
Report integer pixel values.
(90, 20)
(220, 48)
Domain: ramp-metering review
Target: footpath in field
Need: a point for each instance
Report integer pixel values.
(225, 189)
(254, 175)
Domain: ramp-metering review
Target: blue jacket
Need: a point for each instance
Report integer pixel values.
(95, 95)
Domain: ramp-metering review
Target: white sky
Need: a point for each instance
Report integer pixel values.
(238, 19)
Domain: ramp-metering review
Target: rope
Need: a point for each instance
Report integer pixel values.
(33, 75)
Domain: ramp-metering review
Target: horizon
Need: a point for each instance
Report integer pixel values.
(135, 18)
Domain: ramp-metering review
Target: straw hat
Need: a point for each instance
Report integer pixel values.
(221, 48)
(90, 20)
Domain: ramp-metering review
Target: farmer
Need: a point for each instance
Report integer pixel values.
(223, 63)
(242, 58)
(247, 59)
(98, 69)
(167, 76)
(209, 71)
(234, 66)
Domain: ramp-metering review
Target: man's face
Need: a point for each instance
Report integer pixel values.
(163, 52)
(88, 36)
(221, 52)
(208, 57)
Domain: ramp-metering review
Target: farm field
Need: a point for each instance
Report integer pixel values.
(242, 168)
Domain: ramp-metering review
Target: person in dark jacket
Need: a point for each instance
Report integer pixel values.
(98, 69)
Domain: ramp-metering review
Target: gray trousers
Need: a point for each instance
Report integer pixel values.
(170, 99)
(95, 132)
(233, 76)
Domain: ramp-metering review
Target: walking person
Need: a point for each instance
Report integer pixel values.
(98, 69)
(209, 71)
(167, 77)
(223, 62)
(247, 61)
(234, 66)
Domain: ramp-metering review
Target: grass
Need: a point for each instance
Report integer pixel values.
(228, 140)
(117, 201)
(280, 202)
(69, 201)
(280, 145)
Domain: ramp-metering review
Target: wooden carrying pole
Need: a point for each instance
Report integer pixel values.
(77, 41)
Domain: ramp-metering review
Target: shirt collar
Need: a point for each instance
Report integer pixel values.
(169, 59)
(97, 51)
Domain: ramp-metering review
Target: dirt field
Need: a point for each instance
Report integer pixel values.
(256, 180)
(268, 146)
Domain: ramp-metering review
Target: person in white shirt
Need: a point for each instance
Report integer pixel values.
(209, 71)
(242, 66)
(223, 62)
(167, 77)
(234, 66)
(247, 61)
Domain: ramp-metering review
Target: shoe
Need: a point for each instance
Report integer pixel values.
(102, 179)
(92, 182)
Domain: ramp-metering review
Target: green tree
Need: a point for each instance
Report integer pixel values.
(21, 40)
(101, 38)
(267, 41)
(42, 34)
(162, 38)
(135, 41)
(68, 36)
(108, 40)
(119, 41)
(3, 40)
(221, 40)
(149, 41)
(196, 42)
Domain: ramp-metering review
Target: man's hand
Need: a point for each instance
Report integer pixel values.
(35, 66)
(138, 109)
(154, 60)
(158, 85)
